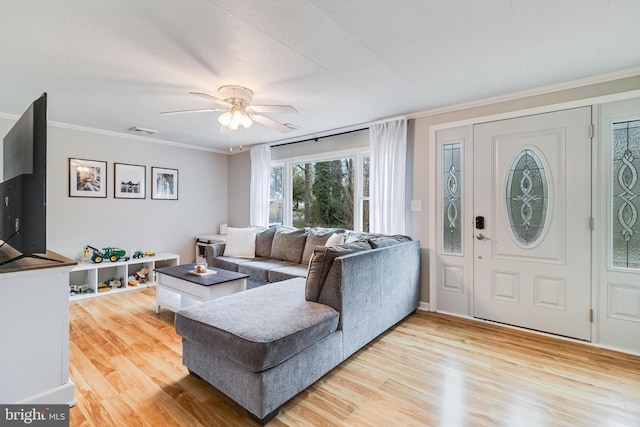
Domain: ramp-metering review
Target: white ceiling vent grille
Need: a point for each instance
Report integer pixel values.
(142, 131)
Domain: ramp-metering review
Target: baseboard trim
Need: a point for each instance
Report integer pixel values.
(545, 334)
(57, 395)
(424, 306)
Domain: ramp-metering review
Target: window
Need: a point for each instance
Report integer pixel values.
(364, 191)
(276, 192)
(324, 192)
(625, 227)
(452, 198)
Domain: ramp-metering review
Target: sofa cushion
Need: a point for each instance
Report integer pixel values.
(288, 244)
(264, 239)
(260, 269)
(231, 263)
(315, 237)
(385, 241)
(241, 243)
(287, 272)
(244, 327)
(321, 263)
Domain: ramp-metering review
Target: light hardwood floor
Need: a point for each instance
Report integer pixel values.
(431, 369)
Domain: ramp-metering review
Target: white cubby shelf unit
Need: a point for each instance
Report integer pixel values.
(91, 274)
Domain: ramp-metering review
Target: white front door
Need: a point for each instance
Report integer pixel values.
(531, 197)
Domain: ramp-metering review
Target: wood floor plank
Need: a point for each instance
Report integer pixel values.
(431, 369)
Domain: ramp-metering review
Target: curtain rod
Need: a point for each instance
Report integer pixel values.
(319, 137)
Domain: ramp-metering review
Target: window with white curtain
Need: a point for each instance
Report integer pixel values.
(363, 191)
(330, 190)
(276, 194)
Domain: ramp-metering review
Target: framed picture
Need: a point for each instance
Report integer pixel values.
(87, 178)
(164, 183)
(129, 181)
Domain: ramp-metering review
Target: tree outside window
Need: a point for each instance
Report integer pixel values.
(276, 192)
(364, 192)
(330, 192)
(323, 193)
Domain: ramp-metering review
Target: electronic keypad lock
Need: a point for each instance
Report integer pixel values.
(480, 222)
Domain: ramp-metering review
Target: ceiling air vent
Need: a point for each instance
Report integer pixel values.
(142, 131)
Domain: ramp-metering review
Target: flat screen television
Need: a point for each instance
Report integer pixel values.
(24, 188)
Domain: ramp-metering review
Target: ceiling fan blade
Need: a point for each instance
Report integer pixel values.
(273, 109)
(211, 97)
(204, 110)
(263, 120)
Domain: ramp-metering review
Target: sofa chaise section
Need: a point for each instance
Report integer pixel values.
(241, 345)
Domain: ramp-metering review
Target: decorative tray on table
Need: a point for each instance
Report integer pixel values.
(208, 272)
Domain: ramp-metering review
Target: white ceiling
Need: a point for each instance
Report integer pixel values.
(114, 64)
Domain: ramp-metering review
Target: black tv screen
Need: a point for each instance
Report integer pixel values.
(24, 170)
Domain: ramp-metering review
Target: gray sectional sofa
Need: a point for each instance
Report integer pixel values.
(280, 253)
(263, 346)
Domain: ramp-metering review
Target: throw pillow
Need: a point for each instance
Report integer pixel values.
(335, 239)
(288, 244)
(241, 243)
(315, 237)
(264, 239)
(314, 274)
(322, 261)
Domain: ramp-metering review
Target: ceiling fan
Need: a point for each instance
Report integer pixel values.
(237, 111)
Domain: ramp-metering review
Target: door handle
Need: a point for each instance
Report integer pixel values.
(481, 236)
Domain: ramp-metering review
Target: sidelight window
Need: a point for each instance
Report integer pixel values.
(625, 200)
(452, 198)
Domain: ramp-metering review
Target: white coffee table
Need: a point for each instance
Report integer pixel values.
(176, 288)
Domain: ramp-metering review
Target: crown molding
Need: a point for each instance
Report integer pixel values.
(123, 135)
(557, 87)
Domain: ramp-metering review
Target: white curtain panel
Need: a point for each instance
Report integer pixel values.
(260, 177)
(388, 148)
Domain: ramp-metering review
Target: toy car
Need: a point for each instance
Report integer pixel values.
(140, 254)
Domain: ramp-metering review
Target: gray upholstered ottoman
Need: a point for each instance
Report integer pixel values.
(244, 333)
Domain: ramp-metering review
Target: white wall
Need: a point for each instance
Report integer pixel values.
(156, 225)
(239, 179)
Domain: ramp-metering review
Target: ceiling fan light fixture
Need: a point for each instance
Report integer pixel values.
(238, 112)
(246, 121)
(225, 119)
(235, 119)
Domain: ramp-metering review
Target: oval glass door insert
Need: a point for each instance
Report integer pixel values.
(527, 197)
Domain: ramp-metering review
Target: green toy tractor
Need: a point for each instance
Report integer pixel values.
(112, 254)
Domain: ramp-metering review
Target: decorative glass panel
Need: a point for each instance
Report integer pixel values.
(452, 199)
(625, 203)
(527, 197)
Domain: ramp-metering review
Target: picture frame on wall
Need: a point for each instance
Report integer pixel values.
(129, 181)
(164, 183)
(87, 178)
